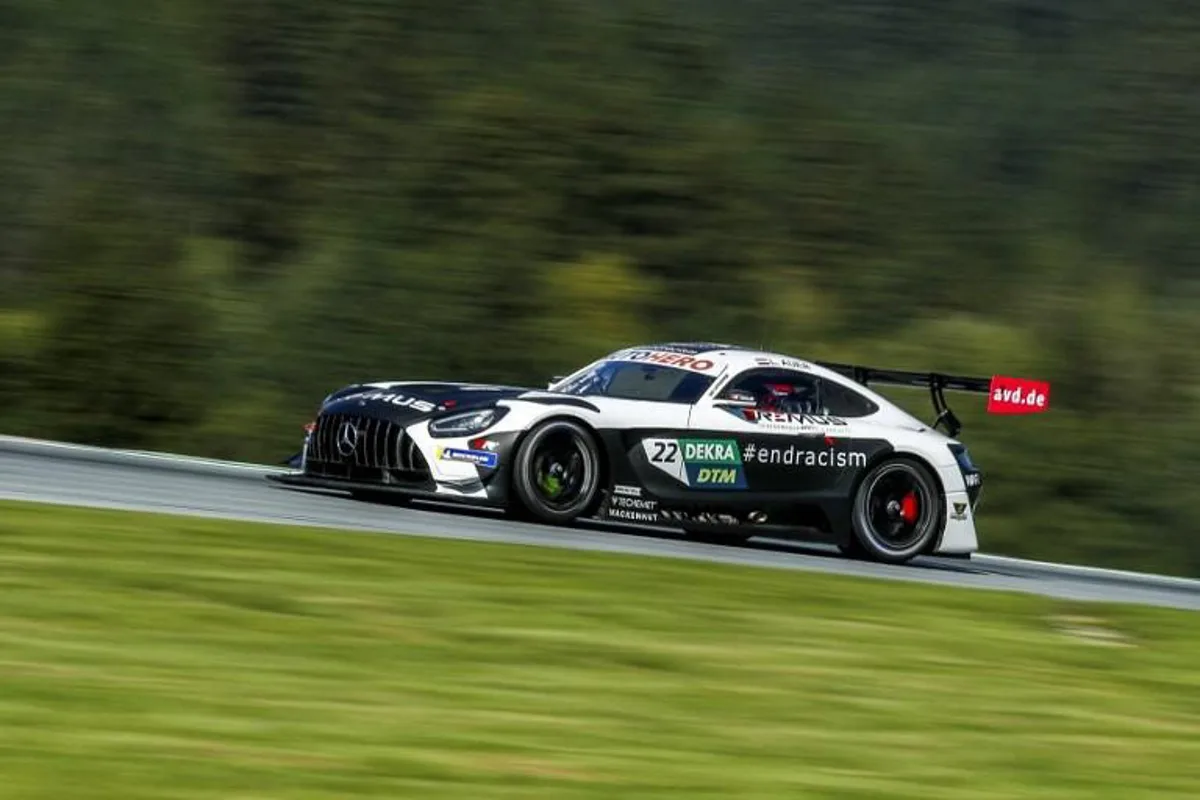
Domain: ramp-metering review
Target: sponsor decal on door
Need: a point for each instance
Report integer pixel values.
(793, 456)
(632, 509)
(700, 463)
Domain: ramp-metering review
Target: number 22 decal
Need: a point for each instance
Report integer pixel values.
(665, 452)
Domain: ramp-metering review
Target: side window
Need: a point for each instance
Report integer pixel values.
(797, 393)
(779, 389)
(842, 401)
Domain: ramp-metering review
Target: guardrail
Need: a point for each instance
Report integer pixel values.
(44, 448)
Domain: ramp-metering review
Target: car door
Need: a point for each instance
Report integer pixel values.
(653, 409)
(766, 431)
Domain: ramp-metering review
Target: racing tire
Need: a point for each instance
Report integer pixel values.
(853, 548)
(556, 473)
(897, 512)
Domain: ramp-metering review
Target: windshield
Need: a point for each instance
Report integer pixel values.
(630, 380)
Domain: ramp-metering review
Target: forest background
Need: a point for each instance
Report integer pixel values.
(216, 211)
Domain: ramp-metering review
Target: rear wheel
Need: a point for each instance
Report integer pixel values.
(556, 474)
(897, 512)
(853, 548)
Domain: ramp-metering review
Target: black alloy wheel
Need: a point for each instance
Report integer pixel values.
(556, 474)
(897, 511)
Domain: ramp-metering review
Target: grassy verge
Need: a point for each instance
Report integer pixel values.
(151, 657)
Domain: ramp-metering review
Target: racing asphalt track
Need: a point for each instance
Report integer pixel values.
(57, 473)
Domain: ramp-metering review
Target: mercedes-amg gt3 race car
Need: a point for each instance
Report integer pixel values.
(720, 441)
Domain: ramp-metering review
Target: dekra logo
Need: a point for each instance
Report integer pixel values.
(715, 451)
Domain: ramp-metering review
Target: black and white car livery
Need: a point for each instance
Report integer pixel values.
(721, 441)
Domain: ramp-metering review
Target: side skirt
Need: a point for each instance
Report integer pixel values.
(306, 481)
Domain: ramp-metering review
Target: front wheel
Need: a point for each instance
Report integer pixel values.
(897, 511)
(556, 474)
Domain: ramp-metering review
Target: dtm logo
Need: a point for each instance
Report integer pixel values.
(699, 463)
(717, 476)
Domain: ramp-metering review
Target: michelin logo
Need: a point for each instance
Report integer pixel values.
(699, 463)
(481, 458)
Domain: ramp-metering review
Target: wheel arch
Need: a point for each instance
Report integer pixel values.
(565, 415)
(920, 459)
(904, 452)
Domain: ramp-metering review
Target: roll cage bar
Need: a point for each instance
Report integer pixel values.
(938, 384)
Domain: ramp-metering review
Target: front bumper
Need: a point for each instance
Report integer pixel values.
(432, 492)
(361, 453)
(364, 449)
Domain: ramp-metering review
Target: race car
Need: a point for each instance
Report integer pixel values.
(721, 441)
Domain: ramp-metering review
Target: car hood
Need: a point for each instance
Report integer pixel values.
(406, 401)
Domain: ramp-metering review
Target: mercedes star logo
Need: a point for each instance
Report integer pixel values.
(347, 438)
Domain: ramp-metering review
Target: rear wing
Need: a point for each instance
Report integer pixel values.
(1005, 395)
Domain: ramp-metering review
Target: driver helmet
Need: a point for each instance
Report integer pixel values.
(789, 398)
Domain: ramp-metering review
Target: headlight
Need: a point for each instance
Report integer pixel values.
(466, 423)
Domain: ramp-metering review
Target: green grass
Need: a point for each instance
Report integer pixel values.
(157, 657)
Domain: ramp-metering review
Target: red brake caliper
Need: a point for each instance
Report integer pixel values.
(909, 510)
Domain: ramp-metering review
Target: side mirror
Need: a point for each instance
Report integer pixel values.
(554, 380)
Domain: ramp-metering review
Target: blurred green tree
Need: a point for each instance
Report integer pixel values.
(216, 212)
